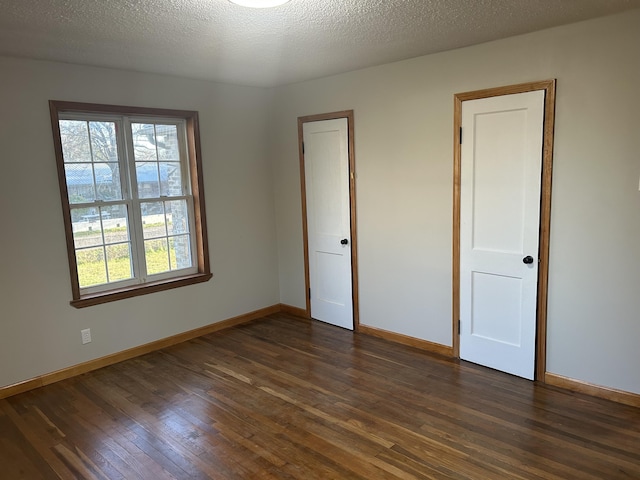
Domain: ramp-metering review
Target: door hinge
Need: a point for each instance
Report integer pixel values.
(458, 327)
(461, 135)
(309, 293)
(303, 148)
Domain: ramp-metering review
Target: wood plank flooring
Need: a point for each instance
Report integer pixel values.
(286, 398)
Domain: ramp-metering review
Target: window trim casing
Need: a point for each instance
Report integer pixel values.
(79, 300)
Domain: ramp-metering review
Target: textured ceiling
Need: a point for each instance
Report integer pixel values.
(304, 39)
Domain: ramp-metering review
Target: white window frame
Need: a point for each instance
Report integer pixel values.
(192, 192)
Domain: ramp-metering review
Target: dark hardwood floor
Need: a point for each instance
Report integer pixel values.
(285, 398)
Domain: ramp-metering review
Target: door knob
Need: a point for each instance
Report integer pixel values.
(528, 259)
(344, 241)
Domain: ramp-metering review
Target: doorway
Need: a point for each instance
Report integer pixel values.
(502, 198)
(327, 177)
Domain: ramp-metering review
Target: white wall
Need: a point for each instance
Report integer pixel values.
(39, 330)
(404, 136)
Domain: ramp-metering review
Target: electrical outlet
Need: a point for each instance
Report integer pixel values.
(86, 335)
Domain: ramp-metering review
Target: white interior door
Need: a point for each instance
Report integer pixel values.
(326, 165)
(501, 162)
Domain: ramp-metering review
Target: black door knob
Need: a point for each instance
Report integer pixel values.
(344, 241)
(528, 259)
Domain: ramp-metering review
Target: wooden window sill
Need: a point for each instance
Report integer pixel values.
(137, 290)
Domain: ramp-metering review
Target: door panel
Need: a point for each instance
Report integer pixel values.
(496, 321)
(499, 181)
(501, 162)
(326, 164)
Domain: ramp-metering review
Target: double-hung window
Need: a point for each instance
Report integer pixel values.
(132, 198)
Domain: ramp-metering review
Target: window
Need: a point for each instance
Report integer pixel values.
(132, 198)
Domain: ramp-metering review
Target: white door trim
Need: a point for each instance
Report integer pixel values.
(545, 209)
(348, 114)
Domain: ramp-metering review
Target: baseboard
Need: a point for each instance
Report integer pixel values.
(298, 312)
(85, 367)
(407, 340)
(620, 396)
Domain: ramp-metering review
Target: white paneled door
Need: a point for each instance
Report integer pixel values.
(326, 169)
(501, 163)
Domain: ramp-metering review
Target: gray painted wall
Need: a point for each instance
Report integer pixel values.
(39, 330)
(404, 151)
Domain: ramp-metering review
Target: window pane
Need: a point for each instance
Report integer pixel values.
(75, 141)
(107, 177)
(177, 217)
(87, 230)
(170, 179)
(91, 267)
(119, 262)
(115, 224)
(167, 142)
(103, 141)
(144, 142)
(153, 220)
(180, 249)
(80, 184)
(148, 180)
(157, 255)
(178, 225)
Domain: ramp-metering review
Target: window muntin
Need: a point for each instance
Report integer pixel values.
(127, 182)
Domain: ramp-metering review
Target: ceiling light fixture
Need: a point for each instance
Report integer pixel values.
(259, 3)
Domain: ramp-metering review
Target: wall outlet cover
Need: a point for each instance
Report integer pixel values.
(86, 336)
